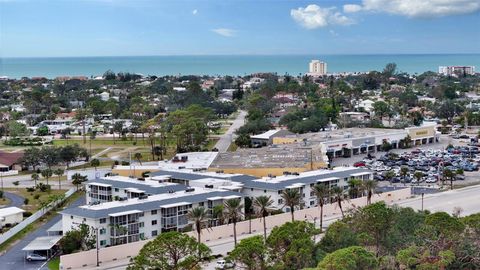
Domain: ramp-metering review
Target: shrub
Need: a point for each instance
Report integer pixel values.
(36, 196)
(125, 163)
(16, 183)
(27, 214)
(1, 194)
(43, 187)
(30, 189)
(26, 201)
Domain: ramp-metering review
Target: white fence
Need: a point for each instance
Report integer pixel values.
(22, 225)
(9, 173)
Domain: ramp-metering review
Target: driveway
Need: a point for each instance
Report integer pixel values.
(13, 259)
(226, 139)
(15, 200)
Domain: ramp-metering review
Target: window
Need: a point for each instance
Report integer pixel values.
(312, 184)
(312, 203)
(117, 190)
(142, 236)
(154, 233)
(84, 220)
(312, 193)
(103, 231)
(141, 224)
(103, 220)
(103, 242)
(201, 203)
(141, 214)
(154, 222)
(279, 192)
(154, 212)
(251, 189)
(264, 191)
(280, 201)
(71, 217)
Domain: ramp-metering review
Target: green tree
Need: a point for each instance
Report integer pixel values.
(170, 251)
(78, 179)
(81, 238)
(198, 216)
(350, 258)
(418, 175)
(292, 198)
(47, 173)
(251, 253)
(16, 129)
(233, 212)
(59, 172)
(338, 235)
(322, 193)
(339, 195)
(95, 163)
(138, 157)
(262, 206)
(369, 187)
(354, 188)
(291, 245)
(35, 177)
(375, 220)
(31, 157)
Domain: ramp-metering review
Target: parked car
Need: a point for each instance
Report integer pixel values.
(359, 164)
(35, 257)
(223, 264)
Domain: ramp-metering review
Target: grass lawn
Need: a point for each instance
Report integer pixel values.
(54, 264)
(34, 204)
(4, 202)
(232, 148)
(35, 225)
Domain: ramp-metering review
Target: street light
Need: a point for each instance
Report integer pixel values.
(97, 247)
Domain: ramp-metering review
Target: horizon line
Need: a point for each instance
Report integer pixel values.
(243, 54)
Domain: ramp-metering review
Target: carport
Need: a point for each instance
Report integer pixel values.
(56, 229)
(42, 245)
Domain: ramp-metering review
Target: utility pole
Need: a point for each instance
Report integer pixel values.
(422, 199)
(98, 261)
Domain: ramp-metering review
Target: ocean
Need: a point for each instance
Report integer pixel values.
(225, 64)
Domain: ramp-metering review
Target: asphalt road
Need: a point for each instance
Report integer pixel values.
(15, 200)
(13, 259)
(226, 139)
(465, 199)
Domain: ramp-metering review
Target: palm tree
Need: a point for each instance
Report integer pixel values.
(339, 194)
(138, 157)
(369, 186)
(78, 179)
(35, 178)
(292, 198)
(403, 173)
(95, 163)
(233, 212)
(59, 172)
(262, 206)
(47, 173)
(322, 192)
(354, 186)
(217, 214)
(418, 175)
(198, 216)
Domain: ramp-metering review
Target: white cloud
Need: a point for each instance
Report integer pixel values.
(194, 12)
(226, 32)
(333, 33)
(422, 8)
(313, 16)
(351, 8)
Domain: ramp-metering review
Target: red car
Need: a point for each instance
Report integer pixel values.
(359, 164)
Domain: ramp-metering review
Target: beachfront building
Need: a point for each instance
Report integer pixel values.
(456, 70)
(135, 219)
(317, 68)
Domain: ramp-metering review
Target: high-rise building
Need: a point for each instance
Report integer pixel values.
(317, 67)
(456, 70)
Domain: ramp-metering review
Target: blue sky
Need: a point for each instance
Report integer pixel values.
(44, 28)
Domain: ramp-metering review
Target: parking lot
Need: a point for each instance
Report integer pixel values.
(423, 165)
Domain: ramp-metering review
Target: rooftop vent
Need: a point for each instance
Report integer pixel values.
(208, 186)
(190, 189)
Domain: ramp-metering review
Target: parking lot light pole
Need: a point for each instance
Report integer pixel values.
(98, 261)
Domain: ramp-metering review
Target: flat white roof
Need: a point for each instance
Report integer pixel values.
(42, 243)
(10, 211)
(125, 213)
(266, 135)
(328, 179)
(99, 184)
(360, 173)
(57, 227)
(174, 204)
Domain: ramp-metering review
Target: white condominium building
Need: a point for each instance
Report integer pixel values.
(131, 220)
(317, 67)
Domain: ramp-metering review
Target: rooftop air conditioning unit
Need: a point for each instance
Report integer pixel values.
(190, 189)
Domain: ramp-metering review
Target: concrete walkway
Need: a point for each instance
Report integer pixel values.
(227, 138)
